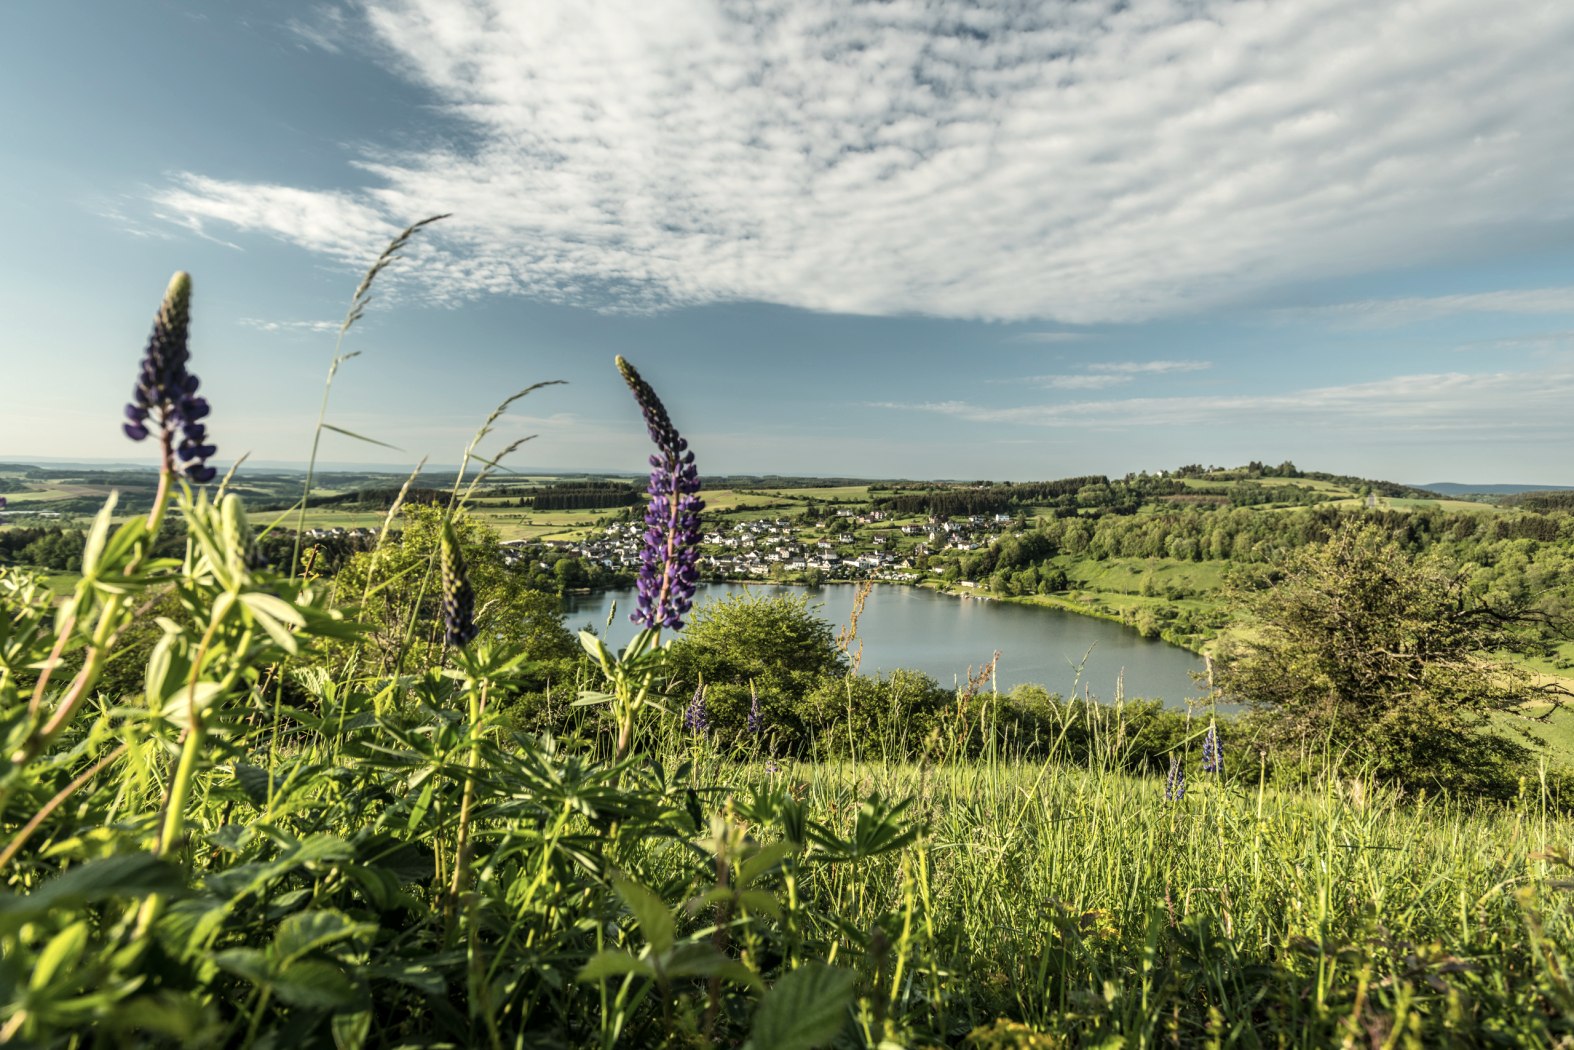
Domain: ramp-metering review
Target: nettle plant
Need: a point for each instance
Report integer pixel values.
(277, 840)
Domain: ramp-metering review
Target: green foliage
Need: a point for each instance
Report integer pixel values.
(1362, 649)
(776, 642)
(394, 591)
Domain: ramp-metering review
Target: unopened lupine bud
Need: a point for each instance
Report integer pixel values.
(755, 722)
(1175, 783)
(458, 599)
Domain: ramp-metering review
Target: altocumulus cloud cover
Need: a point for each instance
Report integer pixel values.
(922, 239)
(1101, 161)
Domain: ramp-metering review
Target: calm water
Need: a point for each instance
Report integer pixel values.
(943, 636)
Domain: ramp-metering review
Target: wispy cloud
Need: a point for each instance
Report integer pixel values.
(1380, 313)
(323, 28)
(1072, 382)
(1101, 374)
(1088, 162)
(290, 327)
(1049, 337)
(1504, 402)
(1132, 368)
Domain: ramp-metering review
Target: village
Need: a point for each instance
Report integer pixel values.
(847, 545)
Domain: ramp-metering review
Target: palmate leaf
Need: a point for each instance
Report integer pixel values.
(805, 1009)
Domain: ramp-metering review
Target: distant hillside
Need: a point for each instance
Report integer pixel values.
(1451, 488)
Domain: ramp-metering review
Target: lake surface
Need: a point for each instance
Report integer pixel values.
(911, 627)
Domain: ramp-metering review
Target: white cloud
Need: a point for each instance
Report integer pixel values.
(294, 327)
(1130, 368)
(1073, 382)
(323, 28)
(1385, 312)
(1107, 160)
(1501, 403)
(1101, 374)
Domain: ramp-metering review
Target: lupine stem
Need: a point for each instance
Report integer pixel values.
(467, 802)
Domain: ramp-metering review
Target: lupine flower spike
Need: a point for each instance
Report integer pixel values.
(1175, 783)
(1212, 755)
(2, 507)
(695, 718)
(164, 400)
(458, 599)
(668, 569)
(755, 721)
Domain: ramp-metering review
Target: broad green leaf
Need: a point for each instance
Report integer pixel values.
(613, 963)
(122, 875)
(250, 963)
(760, 902)
(413, 975)
(311, 931)
(315, 984)
(350, 1031)
(766, 858)
(650, 912)
(806, 1009)
(698, 959)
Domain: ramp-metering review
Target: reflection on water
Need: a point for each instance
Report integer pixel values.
(944, 636)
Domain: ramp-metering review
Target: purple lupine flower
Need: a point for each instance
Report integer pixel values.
(695, 718)
(164, 400)
(668, 569)
(2, 507)
(755, 722)
(458, 598)
(1212, 753)
(1175, 783)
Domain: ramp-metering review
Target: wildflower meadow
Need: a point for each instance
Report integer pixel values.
(295, 824)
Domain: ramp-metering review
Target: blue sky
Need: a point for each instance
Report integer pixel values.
(911, 239)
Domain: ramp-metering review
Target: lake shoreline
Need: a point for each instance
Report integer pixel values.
(1039, 601)
(907, 627)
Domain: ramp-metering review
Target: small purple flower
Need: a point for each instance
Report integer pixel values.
(165, 394)
(458, 598)
(2, 507)
(755, 722)
(1212, 754)
(668, 571)
(695, 718)
(1175, 783)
